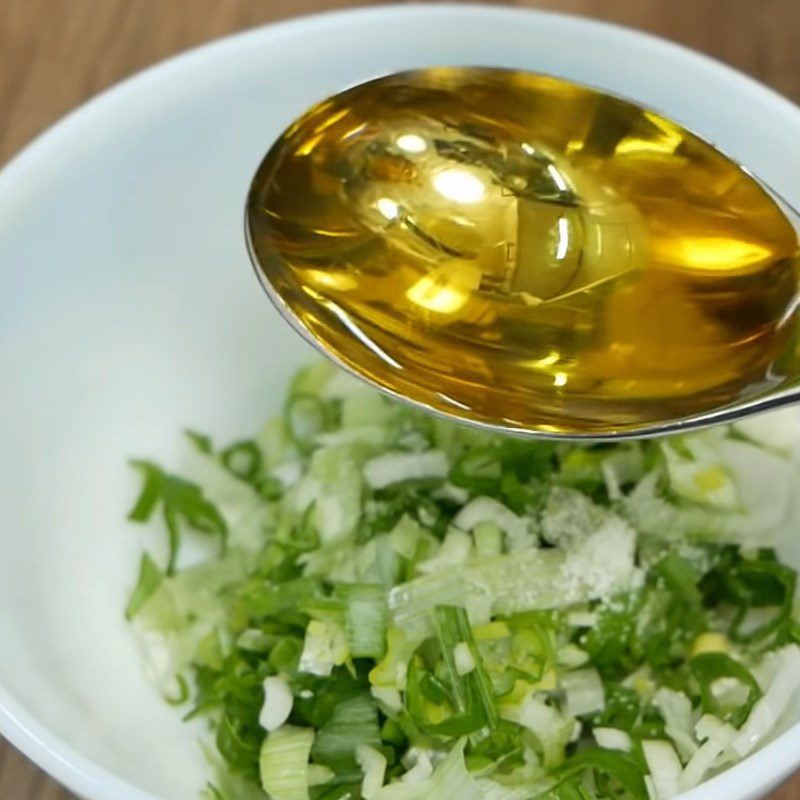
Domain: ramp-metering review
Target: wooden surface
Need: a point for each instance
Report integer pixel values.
(54, 54)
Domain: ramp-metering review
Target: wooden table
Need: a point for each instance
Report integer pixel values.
(54, 54)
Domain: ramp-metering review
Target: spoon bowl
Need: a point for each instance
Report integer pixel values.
(529, 254)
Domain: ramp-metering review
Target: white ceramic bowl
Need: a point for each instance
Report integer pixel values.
(128, 310)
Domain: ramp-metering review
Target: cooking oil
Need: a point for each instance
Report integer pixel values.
(517, 249)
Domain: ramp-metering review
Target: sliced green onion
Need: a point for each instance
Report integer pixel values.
(572, 789)
(451, 780)
(679, 575)
(283, 763)
(613, 739)
(769, 709)
(150, 493)
(472, 690)
(676, 710)
(552, 729)
(354, 722)
(464, 661)
(181, 501)
(620, 769)
(513, 583)
(325, 647)
(583, 691)
(488, 539)
(758, 584)
(201, 441)
(373, 764)
(150, 577)
(278, 703)
(665, 768)
(582, 469)
(243, 459)
(488, 510)
(718, 739)
(306, 416)
(479, 470)
(404, 609)
(392, 669)
(238, 741)
(708, 668)
(393, 468)
(365, 618)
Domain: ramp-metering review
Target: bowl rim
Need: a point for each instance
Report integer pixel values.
(80, 774)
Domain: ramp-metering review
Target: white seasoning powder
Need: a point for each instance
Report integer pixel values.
(603, 563)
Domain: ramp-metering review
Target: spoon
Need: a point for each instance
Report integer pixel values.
(529, 255)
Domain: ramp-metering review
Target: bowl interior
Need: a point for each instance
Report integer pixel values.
(128, 311)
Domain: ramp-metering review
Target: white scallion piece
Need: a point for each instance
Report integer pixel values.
(584, 691)
(278, 703)
(462, 656)
(383, 471)
(613, 739)
(768, 710)
(664, 766)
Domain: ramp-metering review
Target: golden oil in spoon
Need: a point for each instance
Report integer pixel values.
(516, 249)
